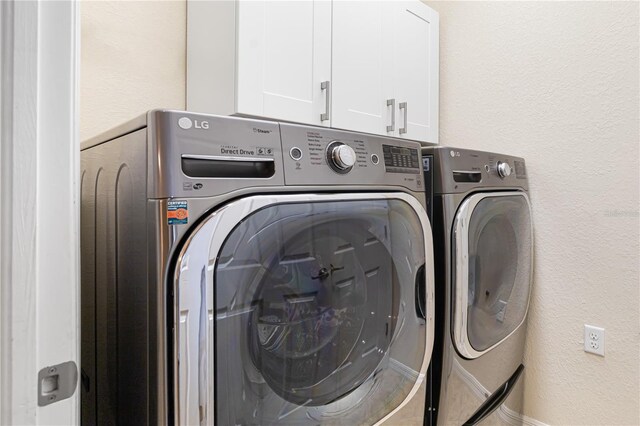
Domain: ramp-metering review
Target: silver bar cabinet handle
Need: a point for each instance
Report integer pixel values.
(326, 86)
(392, 104)
(403, 105)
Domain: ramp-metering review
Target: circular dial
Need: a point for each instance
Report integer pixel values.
(504, 169)
(340, 157)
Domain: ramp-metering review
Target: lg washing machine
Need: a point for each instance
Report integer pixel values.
(483, 243)
(246, 272)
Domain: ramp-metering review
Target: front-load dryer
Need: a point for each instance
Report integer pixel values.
(238, 271)
(483, 244)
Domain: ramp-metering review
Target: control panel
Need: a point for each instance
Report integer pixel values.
(327, 156)
(399, 159)
(199, 155)
(460, 170)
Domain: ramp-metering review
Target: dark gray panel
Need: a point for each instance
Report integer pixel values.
(132, 294)
(87, 298)
(106, 363)
(114, 316)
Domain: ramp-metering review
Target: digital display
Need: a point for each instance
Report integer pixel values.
(399, 159)
(400, 151)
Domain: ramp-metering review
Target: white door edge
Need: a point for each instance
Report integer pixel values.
(39, 198)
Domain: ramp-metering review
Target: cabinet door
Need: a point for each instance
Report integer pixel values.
(362, 66)
(283, 56)
(416, 29)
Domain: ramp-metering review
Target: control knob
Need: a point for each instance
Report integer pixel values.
(504, 169)
(341, 157)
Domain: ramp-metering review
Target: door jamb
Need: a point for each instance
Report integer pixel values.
(39, 204)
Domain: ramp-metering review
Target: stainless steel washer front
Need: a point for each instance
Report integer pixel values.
(298, 309)
(483, 236)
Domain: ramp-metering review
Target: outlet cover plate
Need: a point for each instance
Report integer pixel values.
(594, 339)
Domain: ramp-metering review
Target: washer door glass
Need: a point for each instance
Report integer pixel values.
(319, 312)
(493, 268)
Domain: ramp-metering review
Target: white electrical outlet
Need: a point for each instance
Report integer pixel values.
(594, 339)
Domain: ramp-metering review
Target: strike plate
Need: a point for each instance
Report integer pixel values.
(57, 382)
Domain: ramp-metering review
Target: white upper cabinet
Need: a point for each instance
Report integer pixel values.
(385, 68)
(362, 66)
(259, 58)
(369, 66)
(415, 74)
(283, 56)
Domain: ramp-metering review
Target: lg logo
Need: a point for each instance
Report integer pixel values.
(186, 123)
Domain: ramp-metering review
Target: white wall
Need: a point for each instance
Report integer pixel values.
(557, 83)
(133, 59)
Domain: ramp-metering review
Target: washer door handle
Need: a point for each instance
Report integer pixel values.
(421, 293)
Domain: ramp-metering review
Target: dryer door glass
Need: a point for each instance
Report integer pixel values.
(493, 268)
(317, 312)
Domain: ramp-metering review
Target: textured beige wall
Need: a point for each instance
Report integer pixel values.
(133, 58)
(557, 83)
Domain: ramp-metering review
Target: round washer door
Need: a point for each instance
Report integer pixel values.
(492, 266)
(304, 309)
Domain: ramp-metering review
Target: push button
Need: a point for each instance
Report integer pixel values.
(295, 153)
